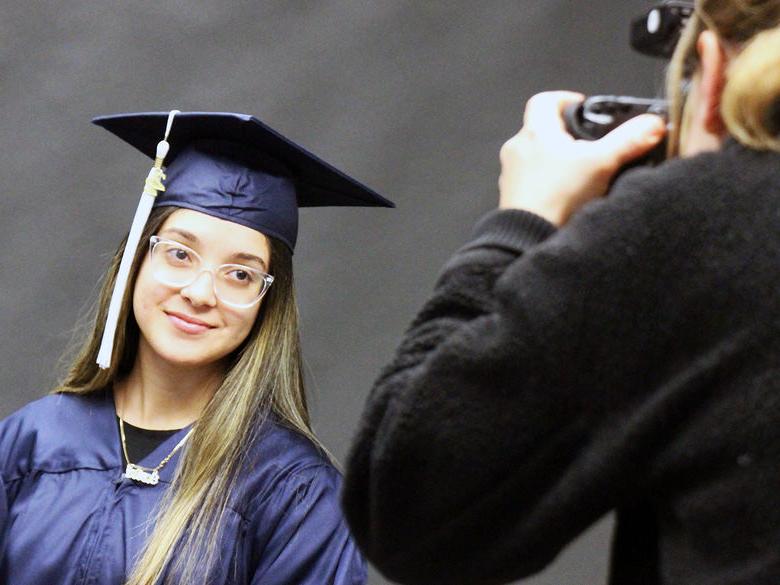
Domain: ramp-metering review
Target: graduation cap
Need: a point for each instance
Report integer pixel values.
(230, 166)
(656, 32)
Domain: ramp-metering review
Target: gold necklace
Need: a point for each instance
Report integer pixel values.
(144, 474)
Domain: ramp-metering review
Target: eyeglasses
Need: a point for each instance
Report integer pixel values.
(657, 32)
(175, 265)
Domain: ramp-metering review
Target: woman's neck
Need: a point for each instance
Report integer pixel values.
(160, 395)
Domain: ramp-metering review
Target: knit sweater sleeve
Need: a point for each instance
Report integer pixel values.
(538, 386)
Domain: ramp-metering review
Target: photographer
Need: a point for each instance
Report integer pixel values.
(583, 354)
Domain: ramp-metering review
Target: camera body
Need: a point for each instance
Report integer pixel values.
(656, 32)
(598, 115)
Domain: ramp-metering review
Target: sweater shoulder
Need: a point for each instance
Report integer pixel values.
(715, 205)
(709, 181)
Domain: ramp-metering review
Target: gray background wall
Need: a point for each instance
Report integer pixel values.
(413, 98)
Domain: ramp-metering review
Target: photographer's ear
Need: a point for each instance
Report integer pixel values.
(703, 126)
(712, 79)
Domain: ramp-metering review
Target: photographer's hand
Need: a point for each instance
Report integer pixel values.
(546, 171)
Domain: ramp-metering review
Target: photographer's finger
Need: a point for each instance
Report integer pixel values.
(544, 111)
(632, 139)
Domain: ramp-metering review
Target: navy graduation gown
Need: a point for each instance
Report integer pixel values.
(68, 517)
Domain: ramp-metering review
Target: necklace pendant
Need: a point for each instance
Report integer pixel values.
(141, 475)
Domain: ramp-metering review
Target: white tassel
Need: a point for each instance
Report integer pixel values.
(152, 186)
(139, 221)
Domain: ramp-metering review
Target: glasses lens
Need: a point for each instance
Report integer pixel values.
(173, 264)
(177, 266)
(240, 285)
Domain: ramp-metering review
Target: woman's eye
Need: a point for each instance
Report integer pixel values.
(178, 255)
(241, 276)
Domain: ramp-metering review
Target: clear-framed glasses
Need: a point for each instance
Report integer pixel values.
(175, 265)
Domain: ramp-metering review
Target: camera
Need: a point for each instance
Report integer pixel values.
(656, 33)
(598, 115)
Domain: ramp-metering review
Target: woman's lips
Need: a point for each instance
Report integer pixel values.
(188, 324)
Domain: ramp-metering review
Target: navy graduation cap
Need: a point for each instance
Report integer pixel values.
(235, 167)
(230, 166)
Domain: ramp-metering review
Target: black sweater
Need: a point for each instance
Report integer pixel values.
(629, 361)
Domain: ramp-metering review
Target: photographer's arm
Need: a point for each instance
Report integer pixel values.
(526, 399)
(523, 402)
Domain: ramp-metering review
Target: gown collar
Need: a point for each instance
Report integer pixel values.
(152, 459)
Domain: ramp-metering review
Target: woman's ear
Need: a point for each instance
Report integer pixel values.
(713, 61)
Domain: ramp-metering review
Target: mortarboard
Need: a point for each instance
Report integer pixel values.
(230, 166)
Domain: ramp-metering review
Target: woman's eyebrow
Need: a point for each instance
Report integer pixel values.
(183, 233)
(245, 256)
(250, 258)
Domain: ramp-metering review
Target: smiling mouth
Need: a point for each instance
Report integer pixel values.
(188, 324)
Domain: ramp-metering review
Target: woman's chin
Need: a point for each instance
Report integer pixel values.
(193, 361)
(173, 348)
(180, 355)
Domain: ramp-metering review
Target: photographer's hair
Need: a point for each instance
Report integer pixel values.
(750, 103)
(264, 376)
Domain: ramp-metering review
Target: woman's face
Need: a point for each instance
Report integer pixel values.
(190, 325)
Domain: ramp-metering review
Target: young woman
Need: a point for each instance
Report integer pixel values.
(188, 458)
(582, 355)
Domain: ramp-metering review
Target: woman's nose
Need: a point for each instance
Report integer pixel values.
(201, 290)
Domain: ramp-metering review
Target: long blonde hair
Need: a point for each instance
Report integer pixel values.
(264, 376)
(750, 103)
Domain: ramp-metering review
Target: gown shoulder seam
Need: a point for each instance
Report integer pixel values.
(284, 476)
(54, 472)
